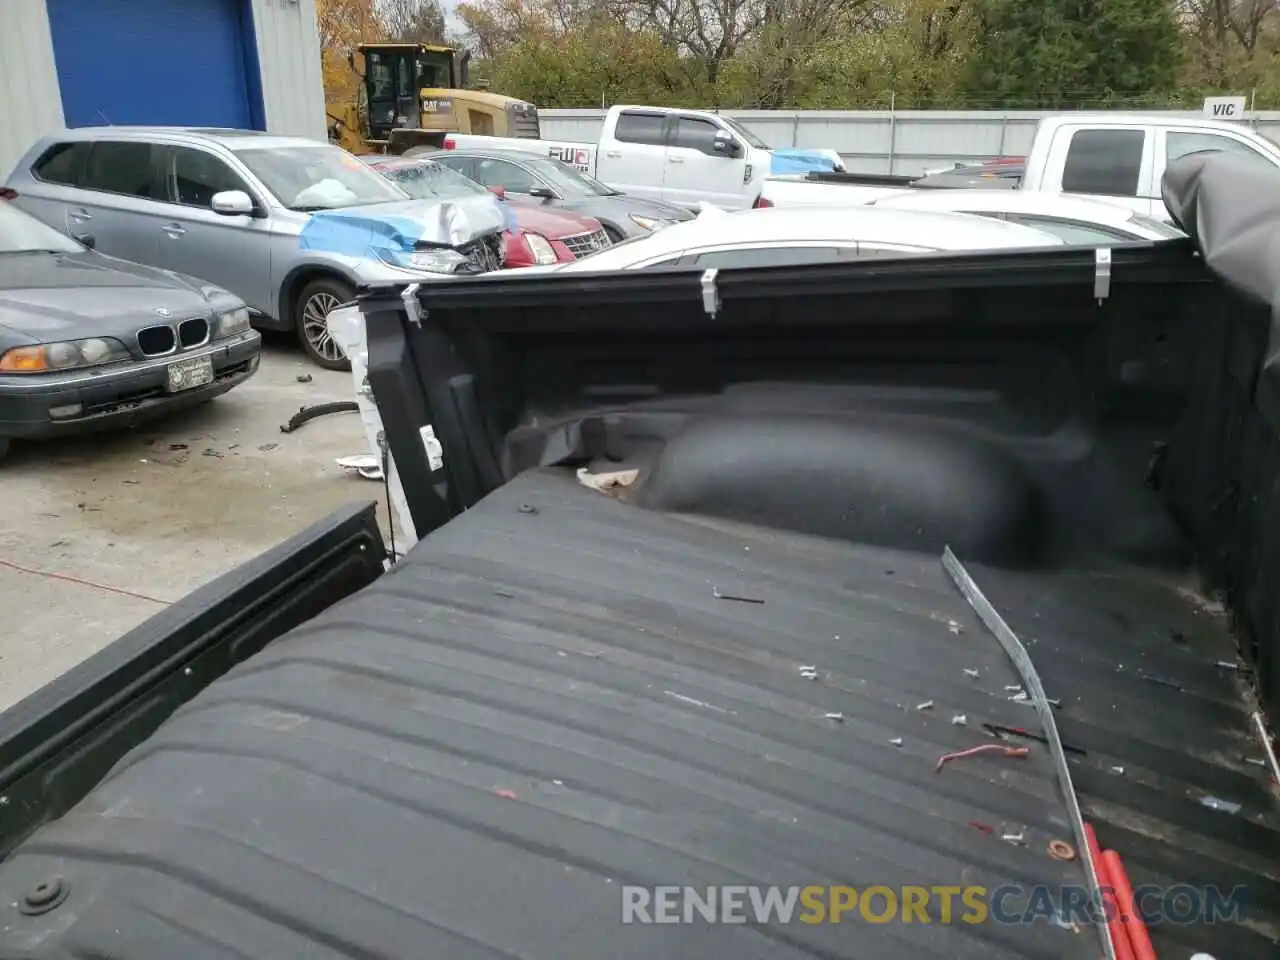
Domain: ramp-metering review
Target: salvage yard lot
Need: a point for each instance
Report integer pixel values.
(161, 511)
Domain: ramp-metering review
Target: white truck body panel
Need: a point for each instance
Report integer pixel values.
(665, 153)
(1121, 158)
(1114, 157)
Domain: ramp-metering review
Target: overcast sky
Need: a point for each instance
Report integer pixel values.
(451, 17)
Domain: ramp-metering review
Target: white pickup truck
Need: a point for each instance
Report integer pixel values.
(682, 156)
(1115, 157)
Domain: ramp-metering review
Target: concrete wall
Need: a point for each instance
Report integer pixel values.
(30, 103)
(289, 55)
(880, 141)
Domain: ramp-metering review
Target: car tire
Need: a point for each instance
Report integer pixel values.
(614, 235)
(312, 306)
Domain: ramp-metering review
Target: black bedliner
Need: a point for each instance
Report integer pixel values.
(547, 700)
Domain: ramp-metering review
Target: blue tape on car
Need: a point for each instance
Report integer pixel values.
(800, 161)
(360, 235)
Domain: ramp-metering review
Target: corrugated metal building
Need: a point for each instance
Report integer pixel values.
(219, 63)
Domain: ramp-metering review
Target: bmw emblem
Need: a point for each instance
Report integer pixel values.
(161, 311)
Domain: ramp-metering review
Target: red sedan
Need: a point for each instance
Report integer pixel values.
(541, 235)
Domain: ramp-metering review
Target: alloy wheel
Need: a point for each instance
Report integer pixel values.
(316, 329)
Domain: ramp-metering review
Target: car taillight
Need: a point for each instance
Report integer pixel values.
(450, 143)
(8, 193)
(762, 202)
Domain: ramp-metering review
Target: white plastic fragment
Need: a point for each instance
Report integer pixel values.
(809, 672)
(837, 716)
(955, 627)
(1118, 771)
(1014, 838)
(1012, 688)
(959, 720)
(365, 464)
(927, 705)
(970, 672)
(896, 741)
(604, 482)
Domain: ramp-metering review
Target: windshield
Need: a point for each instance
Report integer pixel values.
(22, 233)
(319, 177)
(571, 180)
(744, 133)
(427, 180)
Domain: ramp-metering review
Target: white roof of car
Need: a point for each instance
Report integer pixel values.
(1010, 201)
(918, 228)
(1120, 119)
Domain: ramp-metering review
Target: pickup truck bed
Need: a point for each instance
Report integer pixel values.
(561, 691)
(547, 700)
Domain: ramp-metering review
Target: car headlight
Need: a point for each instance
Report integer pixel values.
(232, 322)
(540, 247)
(431, 260)
(645, 223)
(64, 355)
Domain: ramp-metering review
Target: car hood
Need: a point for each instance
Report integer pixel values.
(65, 296)
(552, 222)
(402, 226)
(623, 206)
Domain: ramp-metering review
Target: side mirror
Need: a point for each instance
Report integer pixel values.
(232, 203)
(499, 192)
(88, 240)
(726, 146)
(542, 193)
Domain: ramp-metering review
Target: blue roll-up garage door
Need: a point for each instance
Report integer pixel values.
(171, 62)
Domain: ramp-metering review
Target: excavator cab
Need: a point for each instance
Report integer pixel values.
(394, 77)
(415, 93)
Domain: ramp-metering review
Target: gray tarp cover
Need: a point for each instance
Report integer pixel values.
(1230, 206)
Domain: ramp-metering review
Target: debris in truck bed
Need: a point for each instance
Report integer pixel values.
(1016, 752)
(1061, 850)
(1225, 806)
(715, 592)
(606, 482)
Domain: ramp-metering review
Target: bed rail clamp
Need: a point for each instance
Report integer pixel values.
(710, 292)
(1102, 273)
(409, 297)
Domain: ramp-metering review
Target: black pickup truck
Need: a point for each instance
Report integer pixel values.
(679, 617)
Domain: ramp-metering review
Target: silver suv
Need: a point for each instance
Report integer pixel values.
(292, 226)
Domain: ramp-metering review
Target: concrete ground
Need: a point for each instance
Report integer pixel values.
(162, 510)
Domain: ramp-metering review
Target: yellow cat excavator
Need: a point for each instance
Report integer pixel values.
(414, 94)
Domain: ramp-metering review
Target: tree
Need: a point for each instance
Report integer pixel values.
(412, 21)
(1230, 42)
(342, 24)
(1073, 53)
